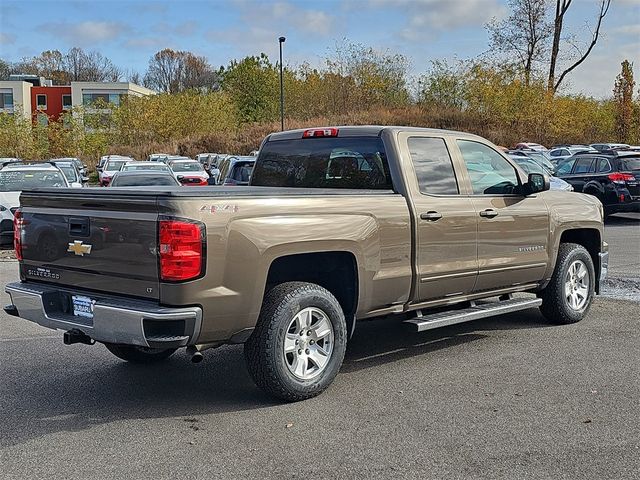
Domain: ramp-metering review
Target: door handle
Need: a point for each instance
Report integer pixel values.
(431, 216)
(489, 213)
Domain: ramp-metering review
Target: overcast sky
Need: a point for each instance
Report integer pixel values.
(129, 32)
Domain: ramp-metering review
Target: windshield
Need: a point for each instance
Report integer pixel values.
(17, 180)
(114, 165)
(143, 181)
(130, 168)
(529, 166)
(242, 171)
(186, 167)
(69, 172)
(631, 164)
(333, 162)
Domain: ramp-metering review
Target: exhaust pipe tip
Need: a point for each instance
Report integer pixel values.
(196, 356)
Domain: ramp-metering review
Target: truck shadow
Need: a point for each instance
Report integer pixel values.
(622, 220)
(73, 389)
(387, 340)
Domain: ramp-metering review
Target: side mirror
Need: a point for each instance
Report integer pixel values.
(85, 179)
(99, 169)
(537, 182)
(180, 177)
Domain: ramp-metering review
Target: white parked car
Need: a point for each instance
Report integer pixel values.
(18, 177)
(71, 173)
(189, 172)
(113, 164)
(562, 153)
(144, 166)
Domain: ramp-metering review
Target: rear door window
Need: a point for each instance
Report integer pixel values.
(433, 166)
(583, 165)
(331, 162)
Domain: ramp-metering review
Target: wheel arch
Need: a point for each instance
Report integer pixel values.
(590, 239)
(337, 271)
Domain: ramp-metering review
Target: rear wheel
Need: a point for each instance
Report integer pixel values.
(570, 292)
(299, 342)
(136, 354)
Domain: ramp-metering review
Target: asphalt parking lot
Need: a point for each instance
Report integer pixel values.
(506, 397)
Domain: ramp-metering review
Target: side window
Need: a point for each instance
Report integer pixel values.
(583, 165)
(489, 172)
(603, 165)
(433, 166)
(555, 153)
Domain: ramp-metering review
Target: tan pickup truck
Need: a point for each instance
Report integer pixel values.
(338, 225)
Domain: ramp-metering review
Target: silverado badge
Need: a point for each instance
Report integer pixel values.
(79, 248)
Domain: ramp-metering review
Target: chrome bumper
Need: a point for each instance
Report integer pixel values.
(115, 319)
(603, 258)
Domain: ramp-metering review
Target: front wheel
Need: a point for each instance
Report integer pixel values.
(570, 292)
(136, 354)
(299, 342)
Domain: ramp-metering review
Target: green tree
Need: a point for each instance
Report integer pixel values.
(624, 106)
(253, 84)
(444, 85)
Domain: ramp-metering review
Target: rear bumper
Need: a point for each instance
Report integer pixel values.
(115, 319)
(633, 206)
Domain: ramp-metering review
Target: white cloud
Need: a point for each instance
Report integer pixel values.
(426, 16)
(633, 29)
(146, 42)
(286, 15)
(88, 32)
(263, 23)
(7, 38)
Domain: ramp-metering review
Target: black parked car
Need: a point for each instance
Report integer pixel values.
(613, 177)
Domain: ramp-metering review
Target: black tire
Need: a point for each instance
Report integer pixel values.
(135, 354)
(264, 354)
(555, 306)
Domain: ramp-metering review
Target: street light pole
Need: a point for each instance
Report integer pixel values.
(280, 42)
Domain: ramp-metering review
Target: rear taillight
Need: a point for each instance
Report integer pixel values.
(320, 132)
(181, 249)
(621, 177)
(18, 221)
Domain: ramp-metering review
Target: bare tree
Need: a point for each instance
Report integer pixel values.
(562, 6)
(523, 36)
(174, 71)
(165, 71)
(91, 66)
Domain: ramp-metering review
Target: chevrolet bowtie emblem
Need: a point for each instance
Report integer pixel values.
(79, 248)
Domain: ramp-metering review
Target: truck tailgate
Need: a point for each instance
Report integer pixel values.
(93, 242)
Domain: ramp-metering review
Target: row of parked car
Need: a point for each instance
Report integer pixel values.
(609, 171)
(165, 170)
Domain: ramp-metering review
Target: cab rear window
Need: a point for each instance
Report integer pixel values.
(332, 162)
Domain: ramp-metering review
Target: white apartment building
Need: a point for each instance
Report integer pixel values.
(88, 93)
(15, 96)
